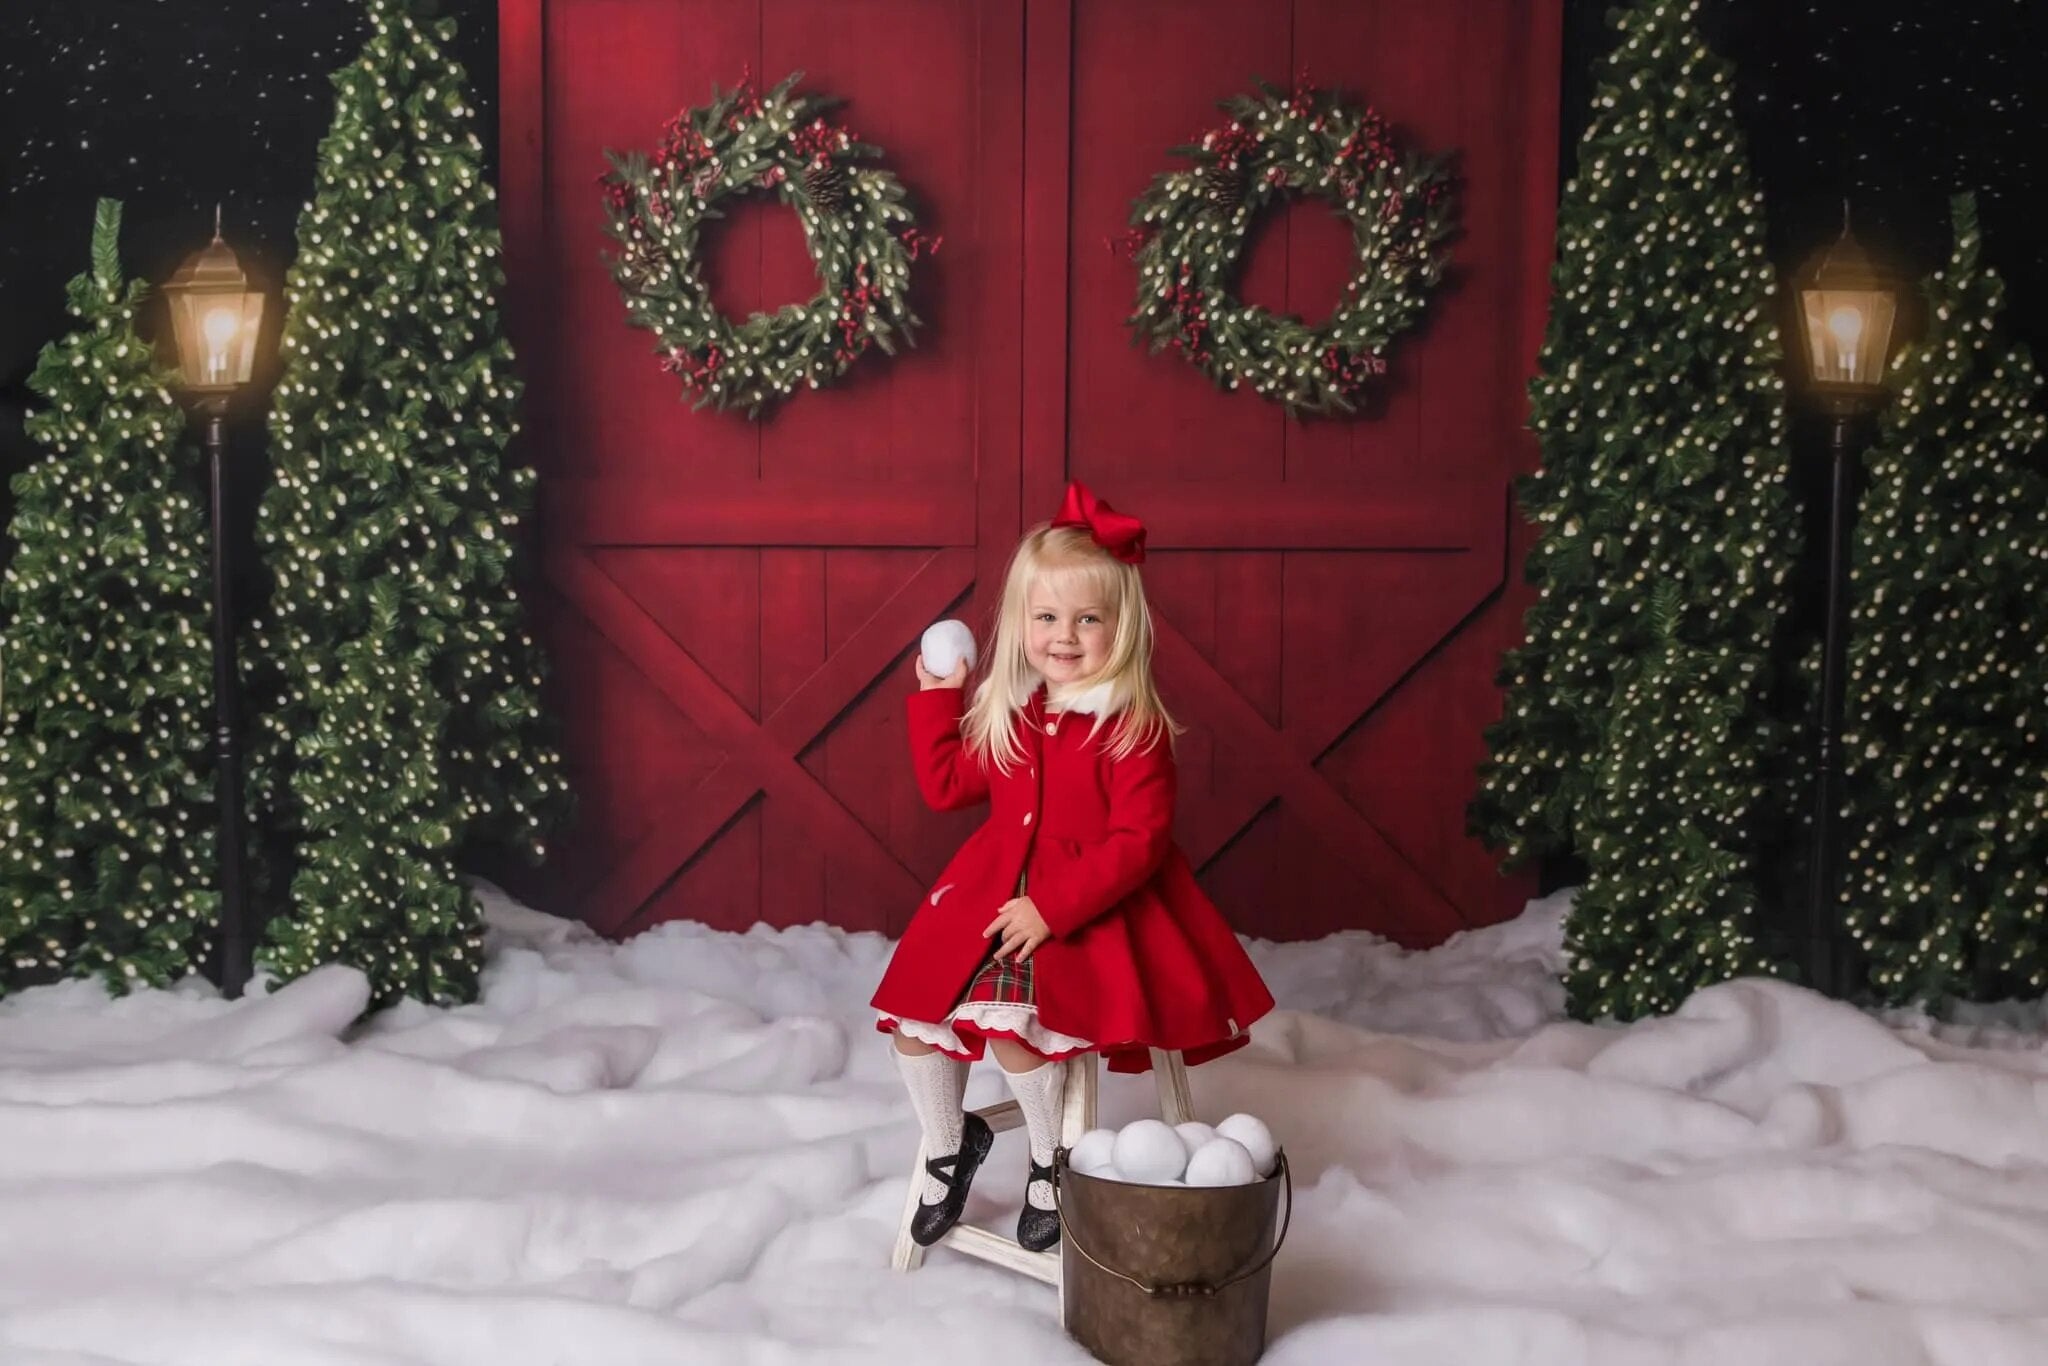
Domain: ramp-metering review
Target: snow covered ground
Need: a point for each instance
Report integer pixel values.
(691, 1148)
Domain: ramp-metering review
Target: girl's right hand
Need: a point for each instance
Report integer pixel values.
(927, 680)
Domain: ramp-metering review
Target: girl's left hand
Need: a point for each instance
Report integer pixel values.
(1021, 926)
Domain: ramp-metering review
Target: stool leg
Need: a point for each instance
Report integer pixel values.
(908, 1256)
(1077, 1104)
(1077, 1117)
(1176, 1103)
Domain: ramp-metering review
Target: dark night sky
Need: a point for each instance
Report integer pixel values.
(1895, 105)
(173, 104)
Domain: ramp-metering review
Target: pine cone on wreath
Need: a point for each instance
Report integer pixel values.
(825, 183)
(639, 270)
(1224, 184)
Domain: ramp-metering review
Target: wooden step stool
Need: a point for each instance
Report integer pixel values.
(1077, 1117)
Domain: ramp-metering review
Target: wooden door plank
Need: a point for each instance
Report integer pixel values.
(675, 833)
(1239, 726)
(857, 663)
(634, 512)
(671, 669)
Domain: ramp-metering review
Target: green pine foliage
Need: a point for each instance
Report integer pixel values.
(404, 718)
(1671, 902)
(1636, 728)
(107, 815)
(1946, 742)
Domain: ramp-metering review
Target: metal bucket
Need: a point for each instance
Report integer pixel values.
(1168, 1275)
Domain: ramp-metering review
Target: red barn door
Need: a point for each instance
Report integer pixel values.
(731, 605)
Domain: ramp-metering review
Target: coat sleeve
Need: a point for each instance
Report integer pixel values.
(1139, 836)
(947, 775)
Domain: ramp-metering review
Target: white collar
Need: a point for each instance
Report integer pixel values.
(1102, 699)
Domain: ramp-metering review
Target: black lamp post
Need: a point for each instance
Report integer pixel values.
(216, 317)
(1847, 307)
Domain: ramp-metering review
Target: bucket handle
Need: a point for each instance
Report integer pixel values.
(1174, 1289)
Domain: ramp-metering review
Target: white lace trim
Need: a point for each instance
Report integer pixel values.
(995, 1017)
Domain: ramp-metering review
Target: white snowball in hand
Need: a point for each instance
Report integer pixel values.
(1194, 1133)
(1093, 1153)
(1257, 1139)
(945, 644)
(1221, 1162)
(1148, 1151)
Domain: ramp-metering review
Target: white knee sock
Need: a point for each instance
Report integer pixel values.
(1039, 1093)
(937, 1085)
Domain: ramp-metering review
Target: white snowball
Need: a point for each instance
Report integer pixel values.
(1221, 1162)
(945, 644)
(1094, 1153)
(1148, 1151)
(1194, 1133)
(1256, 1138)
(1169, 1181)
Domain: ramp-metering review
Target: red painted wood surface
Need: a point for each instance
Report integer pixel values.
(731, 605)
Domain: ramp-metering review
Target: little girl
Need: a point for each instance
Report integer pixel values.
(1068, 922)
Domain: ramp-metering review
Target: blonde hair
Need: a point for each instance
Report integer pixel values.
(990, 725)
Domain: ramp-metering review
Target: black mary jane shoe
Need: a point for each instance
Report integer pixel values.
(931, 1222)
(1037, 1229)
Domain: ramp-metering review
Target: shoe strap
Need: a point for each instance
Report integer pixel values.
(1038, 1173)
(947, 1168)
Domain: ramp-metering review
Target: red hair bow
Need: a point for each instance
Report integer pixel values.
(1121, 534)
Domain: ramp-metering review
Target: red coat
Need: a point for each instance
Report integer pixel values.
(1139, 958)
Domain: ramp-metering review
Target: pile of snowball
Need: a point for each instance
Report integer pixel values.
(1151, 1152)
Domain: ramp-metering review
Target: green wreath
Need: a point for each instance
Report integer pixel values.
(1188, 230)
(861, 235)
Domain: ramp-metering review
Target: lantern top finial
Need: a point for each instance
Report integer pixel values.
(1844, 264)
(214, 268)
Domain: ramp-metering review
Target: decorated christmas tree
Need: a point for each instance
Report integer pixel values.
(107, 814)
(1666, 535)
(404, 723)
(1672, 900)
(1946, 740)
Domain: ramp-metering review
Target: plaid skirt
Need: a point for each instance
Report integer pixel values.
(1001, 1001)
(1006, 982)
